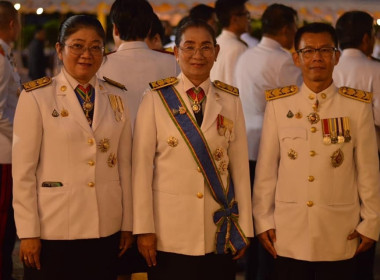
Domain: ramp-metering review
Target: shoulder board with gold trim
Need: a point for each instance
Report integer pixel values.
(356, 94)
(114, 83)
(276, 93)
(165, 51)
(227, 88)
(2, 52)
(32, 85)
(163, 83)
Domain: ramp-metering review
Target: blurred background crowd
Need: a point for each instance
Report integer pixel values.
(41, 19)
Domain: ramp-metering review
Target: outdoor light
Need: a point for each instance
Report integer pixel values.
(378, 21)
(39, 11)
(17, 6)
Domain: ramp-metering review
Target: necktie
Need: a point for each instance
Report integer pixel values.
(197, 96)
(86, 97)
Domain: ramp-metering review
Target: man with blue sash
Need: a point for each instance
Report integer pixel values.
(191, 194)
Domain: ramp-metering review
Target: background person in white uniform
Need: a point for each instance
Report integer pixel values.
(134, 64)
(234, 18)
(356, 69)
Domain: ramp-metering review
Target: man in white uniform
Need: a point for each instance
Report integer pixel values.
(234, 19)
(316, 200)
(9, 91)
(267, 66)
(134, 64)
(356, 36)
(355, 69)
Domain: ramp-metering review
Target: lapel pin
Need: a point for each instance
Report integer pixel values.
(55, 113)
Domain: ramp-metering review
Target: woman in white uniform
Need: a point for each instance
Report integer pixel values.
(191, 193)
(72, 162)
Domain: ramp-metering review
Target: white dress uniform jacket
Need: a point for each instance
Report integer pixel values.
(231, 47)
(95, 197)
(9, 90)
(135, 66)
(170, 197)
(264, 67)
(356, 70)
(312, 205)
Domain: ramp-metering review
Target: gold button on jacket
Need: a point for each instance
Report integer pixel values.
(310, 203)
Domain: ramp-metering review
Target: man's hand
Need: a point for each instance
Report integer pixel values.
(365, 243)
(30, 249)
(267, 239)
(147, 245)
(126, 240)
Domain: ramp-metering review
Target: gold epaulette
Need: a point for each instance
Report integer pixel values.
(356, 94)
(276, 93)
(114, 83)
(167, 51)
(32, 85)
(163, 83)
(227, 88)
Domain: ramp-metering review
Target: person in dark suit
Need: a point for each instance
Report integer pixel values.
(36, 57)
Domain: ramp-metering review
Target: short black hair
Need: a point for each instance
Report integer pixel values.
(7, 14)
(188, 23)
(225, 9)
(316, 27)
(156, 28)
(275, 17)
(133, 18)
(202, 12)
(351, 28)
(77, 22)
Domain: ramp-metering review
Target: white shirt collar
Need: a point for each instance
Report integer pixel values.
(74, 83)
(187, 84)
(132, 45)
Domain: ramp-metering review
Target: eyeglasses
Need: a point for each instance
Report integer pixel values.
(78, 49)
(326, 52)
(205, 51)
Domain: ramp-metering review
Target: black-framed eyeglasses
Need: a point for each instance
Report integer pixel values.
(206, 50)
(78, 49)
(326, 52)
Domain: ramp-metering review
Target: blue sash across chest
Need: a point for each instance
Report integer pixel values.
(229, 236)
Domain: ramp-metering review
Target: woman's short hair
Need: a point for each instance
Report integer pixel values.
(77, 22)
(198, 23)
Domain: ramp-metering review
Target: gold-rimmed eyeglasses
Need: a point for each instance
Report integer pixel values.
(326, 52)
(206, 50)
(78, 49)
